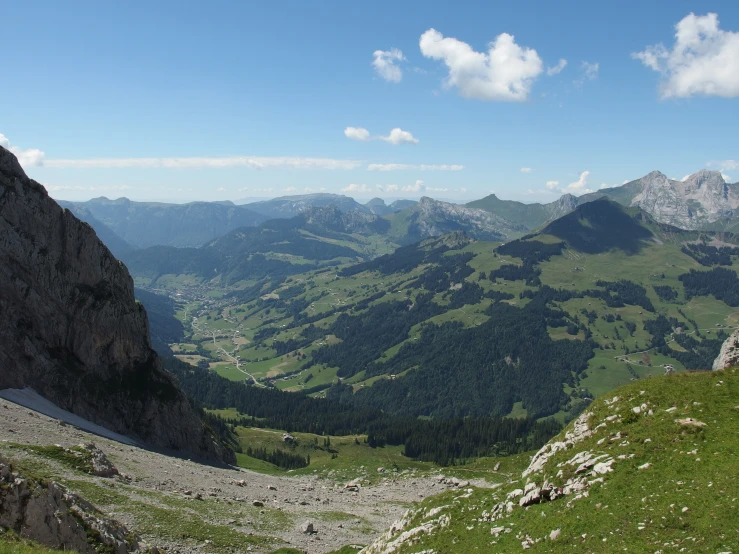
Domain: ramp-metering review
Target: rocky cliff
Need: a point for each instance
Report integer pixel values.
(72, 330)
(699, 201)
(50, 514)
(432, 218)
(729, 355)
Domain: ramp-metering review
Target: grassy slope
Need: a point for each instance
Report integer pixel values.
(686, 500)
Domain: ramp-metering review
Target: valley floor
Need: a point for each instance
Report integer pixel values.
(186, 507)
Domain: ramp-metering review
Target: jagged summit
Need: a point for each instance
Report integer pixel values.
(72, 330)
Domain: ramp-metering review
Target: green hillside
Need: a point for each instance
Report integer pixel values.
(452, 327)
(654, 471)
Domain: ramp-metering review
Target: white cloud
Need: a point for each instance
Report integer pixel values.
(724, 164)
(553, 70)
(418, 186)
(391, 188)
(703, 61)
(290, 189)
(399, 136)
(194, 163)
(357, 133)
(396, 136)
(26, 157)
(579, 186)
(505, 72)
(526, 170)
(726, 177)
(220, 189)
(361, 189)
(686, 177)
(589, 73)
(422, 167)
(385, 64)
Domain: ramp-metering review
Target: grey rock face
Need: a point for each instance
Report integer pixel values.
(729, 355)
(436, 218)
(702, 199)
(50, 514)
(71, 329)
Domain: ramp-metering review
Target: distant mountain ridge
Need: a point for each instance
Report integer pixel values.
(703, 201)
(144, 224)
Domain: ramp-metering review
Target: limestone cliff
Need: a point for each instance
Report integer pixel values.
(729, 355)
(72, 330)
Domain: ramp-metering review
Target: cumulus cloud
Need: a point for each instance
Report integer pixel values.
(505, 72)
(26, 157)
(726, 177)
(418, 186)
(526, 170)
(388, 188)
(421, 167)
(580, 186)
(357, 133)
(396, 135)
(385, 63)
(399, 136)
(553, 70)
(703, 61)
(361, 189)
(290, 190)
(197, 162)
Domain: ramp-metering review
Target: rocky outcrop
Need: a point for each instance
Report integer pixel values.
(729, 355)
(50, 514)
(330, 218)
(71, 329)
(432, 218)
(699, 201)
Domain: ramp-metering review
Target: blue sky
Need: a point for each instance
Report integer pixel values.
(180, 101)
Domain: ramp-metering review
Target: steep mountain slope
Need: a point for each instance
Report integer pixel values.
(115, 244)
(286, 207)
(432, 218)
(71, 328)
(649, 468)
(145, 224)
(531, 216)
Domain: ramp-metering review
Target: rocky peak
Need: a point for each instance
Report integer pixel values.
(729, 355)
(72, 330)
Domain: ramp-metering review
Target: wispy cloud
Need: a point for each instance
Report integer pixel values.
(526, 170)
(589, 72)
(421, 167)
(198, 162)
(555, 69)
(56, 188)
